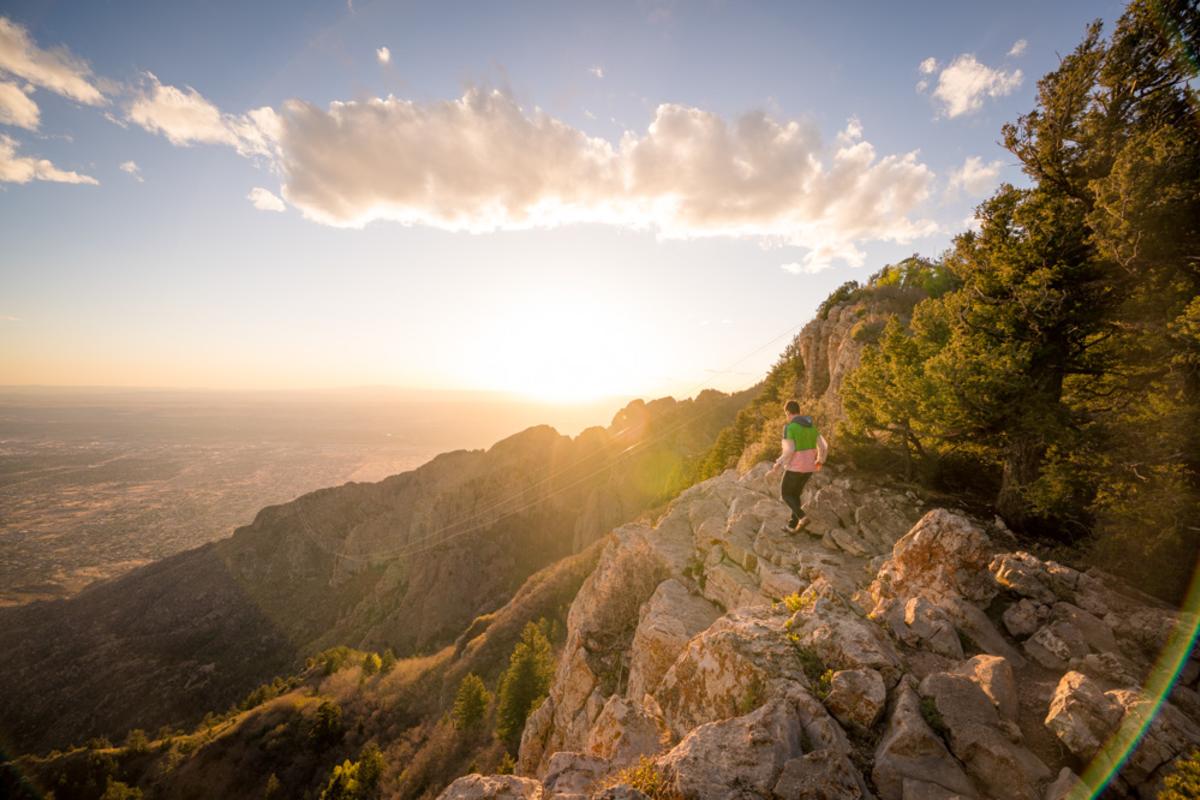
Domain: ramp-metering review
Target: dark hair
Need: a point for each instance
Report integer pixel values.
(792, 407)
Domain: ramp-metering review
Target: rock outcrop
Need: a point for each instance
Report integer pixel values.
(885, 654)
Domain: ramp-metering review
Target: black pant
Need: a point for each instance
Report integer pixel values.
(789, 492)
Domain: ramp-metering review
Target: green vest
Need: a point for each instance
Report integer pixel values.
(805, 436)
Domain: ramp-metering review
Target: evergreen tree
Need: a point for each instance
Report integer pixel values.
(524, 684)
(470, 703)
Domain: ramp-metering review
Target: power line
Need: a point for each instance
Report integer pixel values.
(425, 542)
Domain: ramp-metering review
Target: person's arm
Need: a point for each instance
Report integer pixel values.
(822, 449)
(788, 447)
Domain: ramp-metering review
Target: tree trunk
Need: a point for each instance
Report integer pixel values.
(1021, 467)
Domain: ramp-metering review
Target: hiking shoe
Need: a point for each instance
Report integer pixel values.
(799, 526)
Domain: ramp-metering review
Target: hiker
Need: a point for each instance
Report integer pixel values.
(804, 451)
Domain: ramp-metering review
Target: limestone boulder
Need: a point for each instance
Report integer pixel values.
(624, 731)
(1081, 715)
(840, 636)
(945, 554)
(573, 776)
(994, 676)
(668, 620)
(1025, 616)
(743, 756)
(492, 787)
(911, 753)
(726, 669)
(821, 775)
(856, 698)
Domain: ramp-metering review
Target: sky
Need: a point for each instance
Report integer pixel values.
(562, 200)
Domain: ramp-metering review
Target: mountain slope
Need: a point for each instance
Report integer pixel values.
(405, 563)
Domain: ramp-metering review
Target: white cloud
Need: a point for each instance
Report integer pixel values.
(133, 169)
(597, 71)
(9, 318)
(976, 177)
(928, 66)
(482, 163)
(186, 117)
(16, 108)
(384, 55)
(1018, 48)
(56, 69)
(973, 223)
(963, 85)
(265, 200)
(23, 169)
(922, 85)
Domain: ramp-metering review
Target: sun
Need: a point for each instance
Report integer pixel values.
(566, 347)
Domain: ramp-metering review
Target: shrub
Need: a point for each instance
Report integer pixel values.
(115, 790)
(136, 742)
(371, 663)
(273, 788)
(387, 662)
(1183, 780)
(647, 778)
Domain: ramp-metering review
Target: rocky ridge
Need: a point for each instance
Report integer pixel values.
(898, 653)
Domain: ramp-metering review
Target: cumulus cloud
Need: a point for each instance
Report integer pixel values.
(963, 85)
(975, 177)
(186, 117)
(597, 71)
(1018, 48)
(265, 200)
(922, 85)
(16, 108)
(56, 69)
(481, 163)
(928, 66)
(23, 169)
(384, 55)
(133, 169)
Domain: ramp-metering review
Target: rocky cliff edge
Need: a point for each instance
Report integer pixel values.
(892, 652)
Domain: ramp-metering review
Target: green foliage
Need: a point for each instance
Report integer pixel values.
(507, 765)
(326, 729)
(754, 695)
(933, 717)
(647, 778)
(1057, 355)
(824, 684)
(268, 691)
(470, 703)
(136, 742)
(334, 659)
(115, 790)
(524, 684)
(371, 664)
(387, 662)
(1182, 782)
(356, 780)
(811, 663)
(848, 291)
(273, 788)
(796, 601)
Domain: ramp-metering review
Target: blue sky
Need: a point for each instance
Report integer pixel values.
(652, 270)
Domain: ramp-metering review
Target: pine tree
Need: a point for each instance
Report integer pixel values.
(524, 684)
(470, 703)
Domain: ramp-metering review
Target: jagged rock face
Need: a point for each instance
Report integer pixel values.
(680, 650)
